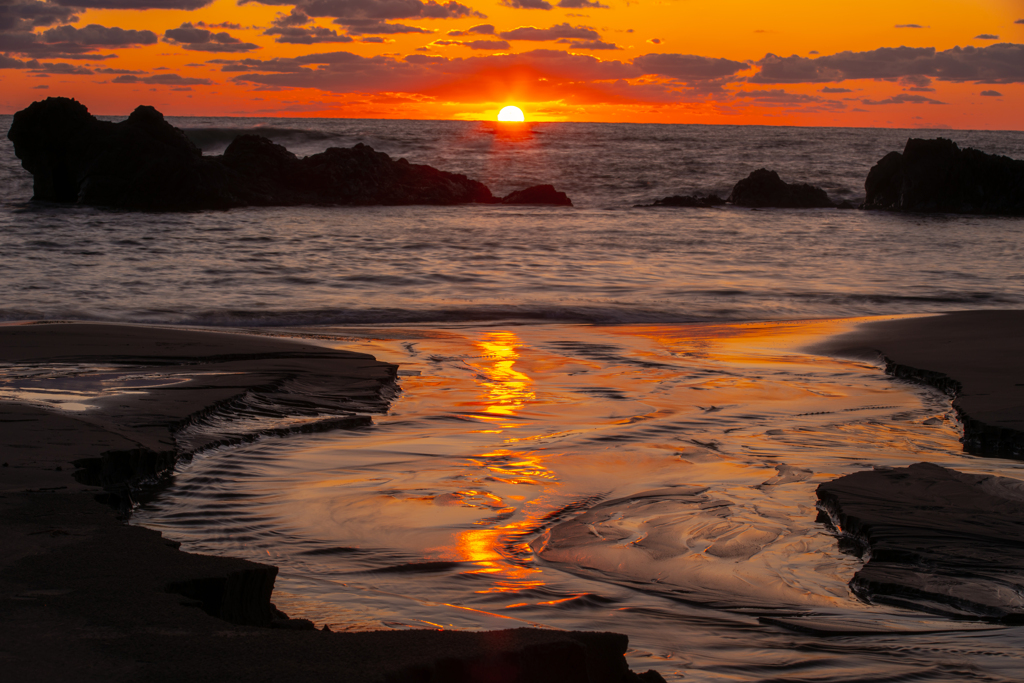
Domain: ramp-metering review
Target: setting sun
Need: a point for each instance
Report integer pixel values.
(511, 113)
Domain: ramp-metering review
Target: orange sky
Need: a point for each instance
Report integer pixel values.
(940, 63)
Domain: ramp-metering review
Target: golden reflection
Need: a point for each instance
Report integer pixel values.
(508, 390)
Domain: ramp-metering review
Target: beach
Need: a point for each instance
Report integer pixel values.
(88, 594)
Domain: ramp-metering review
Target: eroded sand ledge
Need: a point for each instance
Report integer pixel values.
(88, 598)
(938, 540)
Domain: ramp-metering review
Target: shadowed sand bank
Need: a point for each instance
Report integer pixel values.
(88, 598)
(74, 569)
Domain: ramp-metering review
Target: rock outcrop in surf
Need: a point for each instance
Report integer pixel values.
(939, 541)
(145, 163)
(694, 201)
(764, 189)
(937, 176)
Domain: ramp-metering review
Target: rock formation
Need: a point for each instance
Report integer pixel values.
(689, 201)
(764, 188)
(938, 176)
(145, 163)
(938, 540)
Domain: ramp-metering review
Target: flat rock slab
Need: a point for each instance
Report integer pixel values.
(937, 540)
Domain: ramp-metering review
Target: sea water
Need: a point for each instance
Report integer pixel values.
(590, 433)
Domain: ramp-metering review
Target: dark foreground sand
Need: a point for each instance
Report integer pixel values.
(86, 597)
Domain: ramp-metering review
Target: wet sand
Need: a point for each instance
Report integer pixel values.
(88, 594)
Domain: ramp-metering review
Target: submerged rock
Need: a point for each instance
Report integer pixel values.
(145, 163)
(689, 201)
(765, 189)
(937, 176)
(538, 194)
(938, 540)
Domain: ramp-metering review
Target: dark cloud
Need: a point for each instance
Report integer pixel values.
(476, 44)
(223, 24)
(96, 35)
(306, 36)
(372, 39)
(543, 71)
(1000, 63)
(40, 87)
(345, 12)
(654, 41)
(24, 15)
(482, 29)
(382, 28)
(910, 26)
(581, 4)
(781, 98)
(134, 4)
(1019, 21)
(11, 63)
(57, 69)
(904, 98)
(190, 37)
(591, 45)
(827, 89)
(986, 36)
(527, 4)
(688, 68)
(556, 32)
(163, 79)
(68, 42)
(296, 18)
(916, 81)
(991, 93)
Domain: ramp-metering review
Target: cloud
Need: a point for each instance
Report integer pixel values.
(117, 71)
(192, 38)
(779, 97)
(295, 18)
(688, 68)
(541, 73)
(163, 79)
(135, 4)
(827, 89)
(654, 41)
(1000, 63)
(986, 36)
(482, 29)
(223, 24)
(581, 4)
(556, 32)
(59, 69)
(917, 82)
(591, 45)
(11, 63)
(96, 35)
(67, 42)
(381, 27)
(904, 98)
(306, 36)
(476, 44)
(1019, 21)
(24, 15)
(991, 93)
(527, 4)
(910, 26)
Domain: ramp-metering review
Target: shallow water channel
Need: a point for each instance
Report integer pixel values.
(657, 481)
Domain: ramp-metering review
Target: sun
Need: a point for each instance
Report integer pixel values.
(511, 113)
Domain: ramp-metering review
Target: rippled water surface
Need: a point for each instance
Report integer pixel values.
(652, 480)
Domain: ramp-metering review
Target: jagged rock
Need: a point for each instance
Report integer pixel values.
(938, 540)
(145, 163)
(538, 194)
(689, 201)
(764, 189)
(937, 176)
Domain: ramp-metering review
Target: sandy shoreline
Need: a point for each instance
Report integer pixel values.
(70, 567)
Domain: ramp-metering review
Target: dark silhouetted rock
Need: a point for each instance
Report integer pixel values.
(145, 163)
(689, 201)
(937, 176)
(538, 194)
(765, 189)
(939, 541)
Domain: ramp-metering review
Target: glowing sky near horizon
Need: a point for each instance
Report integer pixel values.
(934, 64)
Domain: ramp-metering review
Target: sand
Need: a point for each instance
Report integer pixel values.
(85, 597)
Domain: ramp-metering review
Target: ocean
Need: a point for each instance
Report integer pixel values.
(606, 416)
